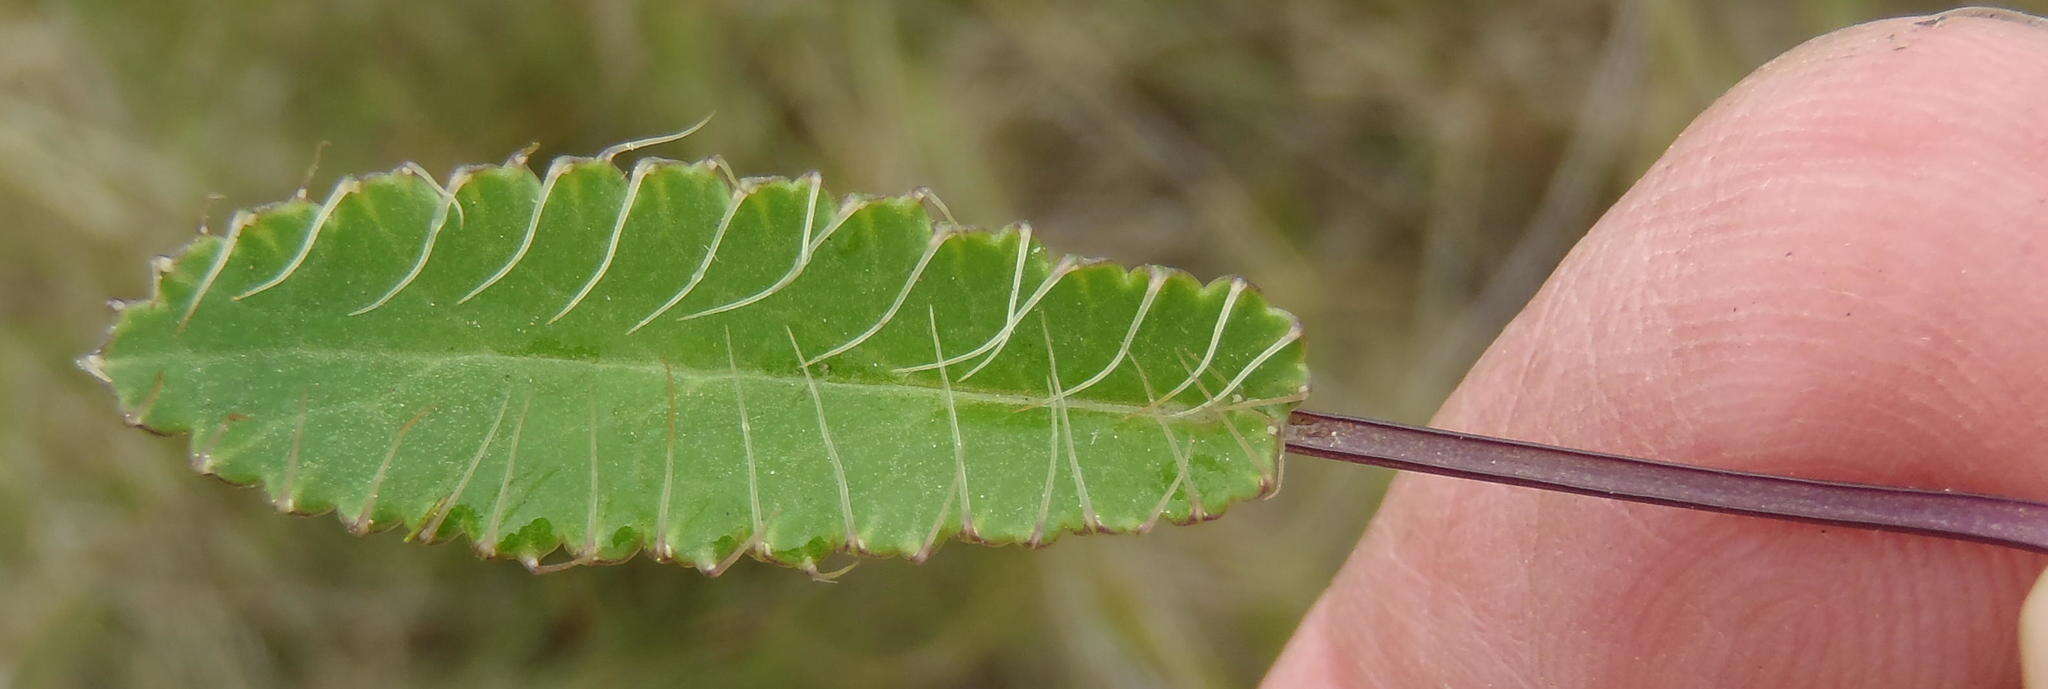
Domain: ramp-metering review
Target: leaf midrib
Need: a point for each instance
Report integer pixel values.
(682, 373)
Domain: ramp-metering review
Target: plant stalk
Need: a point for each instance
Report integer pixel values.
(1963, 516)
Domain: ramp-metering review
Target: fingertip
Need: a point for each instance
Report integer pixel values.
(2034, 635)
(1836, 272)
(1310, 660)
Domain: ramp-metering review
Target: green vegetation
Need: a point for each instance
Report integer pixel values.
(1400, 174)
(732, 367)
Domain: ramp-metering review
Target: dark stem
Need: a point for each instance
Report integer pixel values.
(1964, 516)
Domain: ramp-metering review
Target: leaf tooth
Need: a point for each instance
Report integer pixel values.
(938, 239)
(849, 205)
(242, 219)
(95, 365)
(805, 247)
(284, 500)
(853, 538)
(611, 247)
(136, 417)
(717, 162)
(347, 185)
(1183, 469)
(434, 227)
(547, 187)
(1269, 482)
(663, 550)
(488, 545)
(1159, 508)
(1293, 333)
(1052, 464)
(752, 543)
(931, 200)
(931, 539)
(592, 501)
(1153, 284)
(520, 157)
(1237, 287)
(203, 460)
(732, 207)
(739, 395)
(1066, 266)
(1015, 314)
(952, 423)
(431, 528)
(1089, 521)
(363, 519)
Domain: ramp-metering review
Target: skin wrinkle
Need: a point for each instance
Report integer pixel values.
(1630, 315)
(1958, 365)
(1680, 430)
(1851, 265)
(1664, 600)
(1519, 395)
(1888, 434)
(1907, 187)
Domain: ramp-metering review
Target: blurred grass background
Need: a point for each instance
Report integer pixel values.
(1400, 173)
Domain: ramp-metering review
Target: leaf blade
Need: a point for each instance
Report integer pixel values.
(506, 382)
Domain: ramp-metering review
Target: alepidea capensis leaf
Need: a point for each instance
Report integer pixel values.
(672, 359)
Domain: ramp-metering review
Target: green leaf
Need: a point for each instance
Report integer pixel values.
(703, 367)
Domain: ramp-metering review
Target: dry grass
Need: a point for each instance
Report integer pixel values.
(1401, 173)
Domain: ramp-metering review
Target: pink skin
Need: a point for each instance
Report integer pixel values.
(1839, 271)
